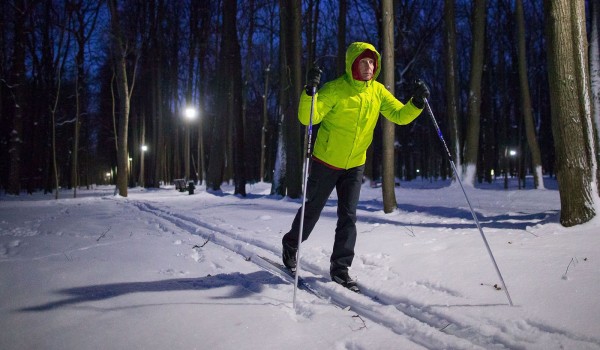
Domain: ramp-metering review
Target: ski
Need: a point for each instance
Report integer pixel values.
(287, 274)
(280, 270)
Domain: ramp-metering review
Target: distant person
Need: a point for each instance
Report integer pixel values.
(347, 109)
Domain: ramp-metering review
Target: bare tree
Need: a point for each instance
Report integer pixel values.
(84, 17)
(287, 180)
(341, 37)
(388, 127)
(235, 99)
(452, 100)
(229, 95)
(595, 73)
(526, 99)
(571, 113)
(17, 85)
(474, 99)
(120, 62)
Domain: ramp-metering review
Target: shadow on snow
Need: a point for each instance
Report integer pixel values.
(244, 285)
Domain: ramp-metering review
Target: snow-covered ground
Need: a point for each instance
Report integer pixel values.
(167, 270)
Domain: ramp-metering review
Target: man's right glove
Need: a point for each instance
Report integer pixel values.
(313, 78)
(421, 92)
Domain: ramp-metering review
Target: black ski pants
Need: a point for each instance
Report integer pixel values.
(321, 182)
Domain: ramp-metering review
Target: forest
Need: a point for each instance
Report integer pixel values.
(139, 93)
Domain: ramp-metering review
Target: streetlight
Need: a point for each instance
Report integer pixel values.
(129, 172)
(144, 148)
(508, 154)
(190, 114)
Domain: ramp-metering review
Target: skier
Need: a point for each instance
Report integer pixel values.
(347, 109)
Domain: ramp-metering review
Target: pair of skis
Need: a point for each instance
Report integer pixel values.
(286, 274)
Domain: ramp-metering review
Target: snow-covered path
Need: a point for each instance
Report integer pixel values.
(161, 269)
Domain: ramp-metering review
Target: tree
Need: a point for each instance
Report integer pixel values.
(17, 84)
(287, 180)
(595, 73)
(388, 128)
(84, 17)
(229, 95)
(526, 99)
(571, 115)
(235, 99)
(120, 65)
(452, 100)
(474, 99)
(341, 38)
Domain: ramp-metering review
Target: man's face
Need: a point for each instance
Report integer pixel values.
(365, 67)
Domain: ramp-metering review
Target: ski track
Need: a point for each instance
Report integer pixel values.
(418, 322)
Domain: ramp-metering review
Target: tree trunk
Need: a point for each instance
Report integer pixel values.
(265, 123)
(341, 38)
(388, 128)
(595, 76)
(571, 117)
(235, 97)
(452, 100)
(536, 158)
(123, 91)
(17, 82)
(143, 150)
(229, 97)
(474, 101)
(289, 180)
(78, 100)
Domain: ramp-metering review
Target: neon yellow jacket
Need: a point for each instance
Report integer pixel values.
(348, 110)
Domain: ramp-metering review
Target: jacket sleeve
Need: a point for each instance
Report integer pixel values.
(323, 104)
(396, 111)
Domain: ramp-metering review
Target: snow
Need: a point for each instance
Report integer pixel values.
(162, 269)
(470, 175)
(539, 173)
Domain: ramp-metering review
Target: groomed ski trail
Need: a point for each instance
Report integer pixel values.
(419, 323)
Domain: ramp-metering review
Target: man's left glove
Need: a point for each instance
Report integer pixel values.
(313, 78)
(421, 92)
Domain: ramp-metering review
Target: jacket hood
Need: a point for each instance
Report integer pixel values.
(354, 50)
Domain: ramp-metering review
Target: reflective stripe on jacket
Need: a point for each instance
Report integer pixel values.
(347, 111)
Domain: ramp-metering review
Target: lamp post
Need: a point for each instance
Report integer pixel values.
(130, 171)
(508, 155)
(144, 148)
(190, 114)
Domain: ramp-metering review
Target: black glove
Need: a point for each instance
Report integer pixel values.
(313, 78)
(421, 92)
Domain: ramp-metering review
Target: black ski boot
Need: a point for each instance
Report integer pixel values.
(345, 280)
(289, 257)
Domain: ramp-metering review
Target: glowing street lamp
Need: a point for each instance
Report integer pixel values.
(144, 149)
(190, 114)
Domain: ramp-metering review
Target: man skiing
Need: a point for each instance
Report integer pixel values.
(347, 110)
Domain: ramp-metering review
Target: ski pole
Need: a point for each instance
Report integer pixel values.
(487, 246)
(304, 184)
